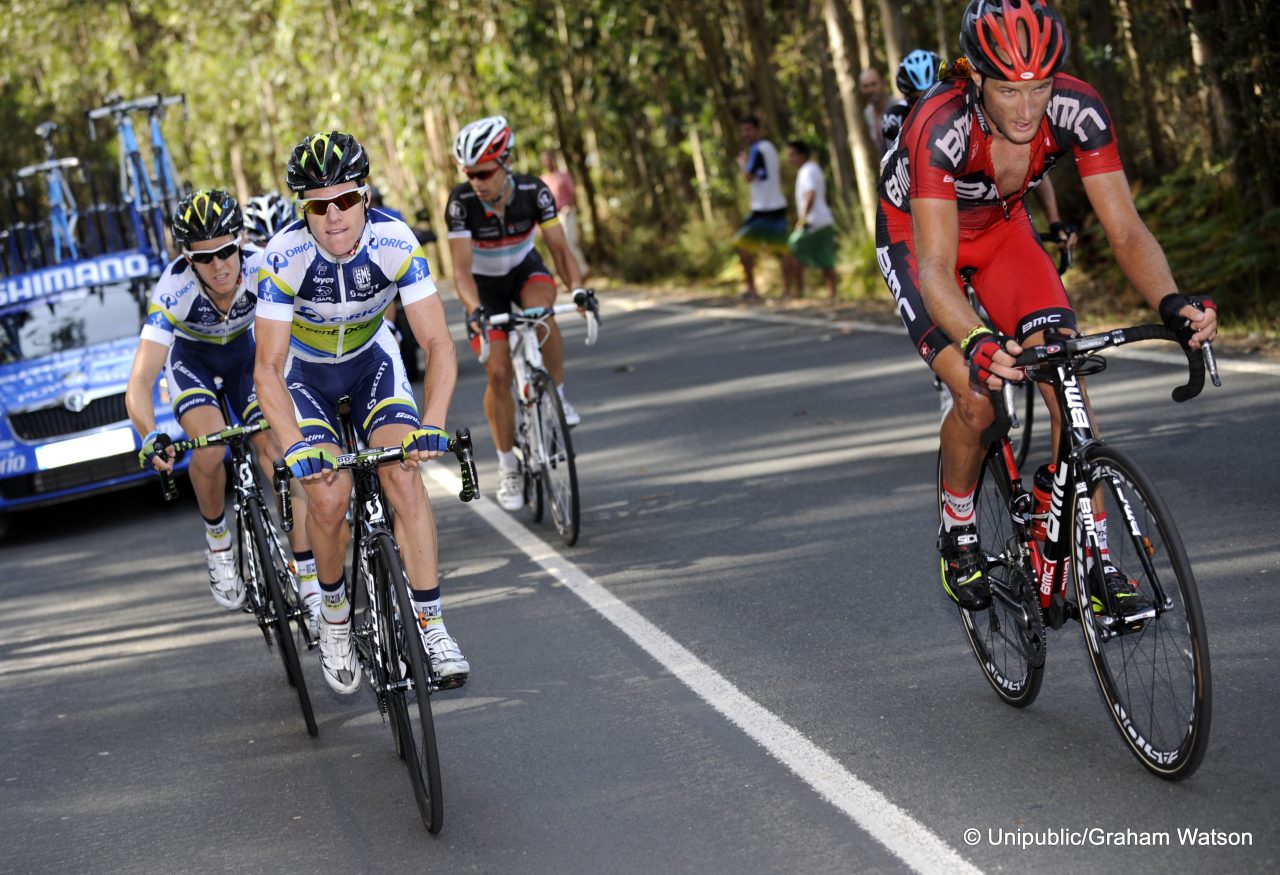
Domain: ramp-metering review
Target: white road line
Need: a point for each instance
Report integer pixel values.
(905, 837)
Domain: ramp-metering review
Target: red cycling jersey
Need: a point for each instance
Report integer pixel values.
(944, 152)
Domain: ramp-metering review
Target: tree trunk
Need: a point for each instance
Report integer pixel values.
(892, 28)
(763, 74)
(438, 166)
(863, 41)
(711, 55)
(842, 171)
(1145, 91)
(844, 41)
(700, 173)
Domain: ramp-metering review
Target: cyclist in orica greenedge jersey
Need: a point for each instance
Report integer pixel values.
(198, 329)
(491, 220)
(324, 285)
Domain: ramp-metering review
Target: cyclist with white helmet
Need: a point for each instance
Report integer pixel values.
(491, 220)
(266, 215)
(198, 330)
(323, 288)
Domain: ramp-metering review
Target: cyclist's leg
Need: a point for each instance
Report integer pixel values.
(538, 289)
(190, 376)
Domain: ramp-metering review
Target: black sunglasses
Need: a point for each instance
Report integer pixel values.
(481, 174)
(207, 256)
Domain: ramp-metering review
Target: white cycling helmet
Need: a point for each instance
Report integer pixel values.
(489, 139)
(267, 214)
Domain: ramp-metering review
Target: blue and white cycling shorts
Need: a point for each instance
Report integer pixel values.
(193, 366)
(375, 381)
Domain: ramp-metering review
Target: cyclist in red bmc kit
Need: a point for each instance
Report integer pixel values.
(951, 196)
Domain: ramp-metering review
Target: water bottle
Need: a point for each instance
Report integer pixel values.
(1041, 490)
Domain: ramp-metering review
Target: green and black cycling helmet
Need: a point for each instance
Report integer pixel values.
(204, 215)
(324, 159)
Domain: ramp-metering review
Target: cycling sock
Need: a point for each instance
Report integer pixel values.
(1100, 527)
(507, 461)
(308, 582)
(426, 604)
(334, 607)
(560, 390)
(216, 533)
(957, 507)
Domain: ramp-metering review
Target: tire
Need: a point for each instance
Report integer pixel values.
(530, 475)
(559, 470)
(415, 738)
(1008, 638)
(280, 609)
(1153, 674)
(1027, 393)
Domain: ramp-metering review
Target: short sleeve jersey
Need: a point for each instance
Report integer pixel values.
(500, 240)
(944, 151)
(766, 177)
(181, 308)
(809, 179)
(336, 304)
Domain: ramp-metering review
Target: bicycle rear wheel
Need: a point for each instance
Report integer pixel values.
(265, 565)
(530, 476)
(559, 471)
(1007, 638)
(409, 685)
(1154, 671)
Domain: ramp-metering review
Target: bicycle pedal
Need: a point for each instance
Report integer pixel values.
(452, 682)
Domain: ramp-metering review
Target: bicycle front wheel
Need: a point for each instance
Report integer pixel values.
(559, 471)
(530, 475)
(1007, 638)
(409, 685)
(1152, 667)
(274, 578)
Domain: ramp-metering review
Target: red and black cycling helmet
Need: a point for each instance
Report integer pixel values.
(324, 159)
(1014, 40)
(204, 215)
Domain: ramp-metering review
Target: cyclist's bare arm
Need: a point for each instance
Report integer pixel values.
(566, 264)
(936, 224)
(1048, 200)
(148, 361)
(1137, 251)
(464, 282)
(272, 337)
(431, 329)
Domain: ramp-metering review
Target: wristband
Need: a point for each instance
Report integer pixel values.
(972, 336)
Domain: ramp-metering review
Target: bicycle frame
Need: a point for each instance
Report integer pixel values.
(63, 212)
(1050, 559)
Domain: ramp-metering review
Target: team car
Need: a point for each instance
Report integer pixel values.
(67, 340)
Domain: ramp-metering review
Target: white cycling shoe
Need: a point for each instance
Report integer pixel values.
(224, 579)
(447, 661)
(338, 657)
(510, 489)
(571, 417)
(313, 604)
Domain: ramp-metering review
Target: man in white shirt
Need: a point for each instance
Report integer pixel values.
(765, 228)
(813, 242)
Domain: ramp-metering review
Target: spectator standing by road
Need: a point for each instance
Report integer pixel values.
(765, 228)
(563, 190)
(878, 102)
(813, 242)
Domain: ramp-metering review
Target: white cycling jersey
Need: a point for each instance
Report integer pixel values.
(336, 304)
(179, 306)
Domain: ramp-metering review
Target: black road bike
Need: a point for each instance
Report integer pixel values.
(1151, 663)
(271, 584)
(386, 635)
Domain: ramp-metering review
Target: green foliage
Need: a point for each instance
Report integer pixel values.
(652, 252)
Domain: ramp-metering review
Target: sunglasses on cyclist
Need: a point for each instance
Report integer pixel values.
(318, 206)
(481, 174)
(207, 256)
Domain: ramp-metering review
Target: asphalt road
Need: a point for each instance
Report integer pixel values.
(746, 665)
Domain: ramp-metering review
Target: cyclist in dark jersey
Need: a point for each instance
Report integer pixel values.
(951, 196)
(491, 220)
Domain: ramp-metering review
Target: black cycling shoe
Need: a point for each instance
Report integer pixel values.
(1123, 600)
(963, 575)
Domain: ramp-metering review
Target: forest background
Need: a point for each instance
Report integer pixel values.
(641, 97)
